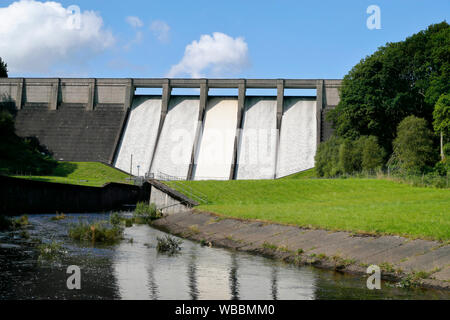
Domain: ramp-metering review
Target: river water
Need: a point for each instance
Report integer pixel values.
(133, 269)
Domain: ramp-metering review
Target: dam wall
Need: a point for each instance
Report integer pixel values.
(139, 136)
(176, 136)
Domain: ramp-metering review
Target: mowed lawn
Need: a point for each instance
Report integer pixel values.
(83, 173)
(357, 205)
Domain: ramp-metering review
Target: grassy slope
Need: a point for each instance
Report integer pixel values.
(83, 173)
(359, 205)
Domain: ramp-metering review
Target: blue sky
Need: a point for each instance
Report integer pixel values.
(283, 39)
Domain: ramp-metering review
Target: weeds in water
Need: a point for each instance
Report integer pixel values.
(21, 222)
(128, 222)
(115, 219)
(98, 232)
(146, 213)
(51, 251)
(24, 234)
(168, 244)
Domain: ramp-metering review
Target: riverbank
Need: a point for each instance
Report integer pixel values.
(367, 206)
(408, 261)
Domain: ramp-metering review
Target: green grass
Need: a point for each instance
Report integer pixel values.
(356, 205)
(82, 173)
(307, 174)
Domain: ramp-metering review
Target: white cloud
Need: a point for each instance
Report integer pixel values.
(135, 22)
(160, 30)
(218, 54)
(41, 36)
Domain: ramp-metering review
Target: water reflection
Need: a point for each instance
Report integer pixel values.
(192, 276)
(274, 284)
(134, 270)
(234, 284)
(202, 272)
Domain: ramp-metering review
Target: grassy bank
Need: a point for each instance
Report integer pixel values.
(82, 173)
(357, 205)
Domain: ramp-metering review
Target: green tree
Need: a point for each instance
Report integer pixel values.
(3, 69)
(372, 154)
(399, 79)
(413, 146)
(327, 158)
(346, 156)
(441, 117)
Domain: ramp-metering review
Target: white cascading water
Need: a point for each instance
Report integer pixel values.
(298, 136)
(173, 153)
(215, 154)
(257, 145)
(139, 135)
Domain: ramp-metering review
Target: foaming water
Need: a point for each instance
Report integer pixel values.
(139, 137)
(298, 136)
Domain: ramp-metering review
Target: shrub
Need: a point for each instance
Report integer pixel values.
(115, 219)
(145, 213)
(99, 232)
(372, 154)
(413, 146)
(168, 244)
(345, 156)
(327, 158)
(58, 217)
(21, 222)
(50, 251)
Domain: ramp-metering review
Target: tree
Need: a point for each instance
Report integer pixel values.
(413, 146)
(372, 154)
(3, 69)
(399, 79)
(441, 123)
(327, 158)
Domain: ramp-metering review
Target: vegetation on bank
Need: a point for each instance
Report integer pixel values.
(82, 173)
(144, 213)
(360, 205)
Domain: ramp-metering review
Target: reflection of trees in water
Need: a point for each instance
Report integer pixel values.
(192, 276)
(274, 283)
(234, 283)
(153, 287)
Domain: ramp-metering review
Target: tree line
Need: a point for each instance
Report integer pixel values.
(394, 110)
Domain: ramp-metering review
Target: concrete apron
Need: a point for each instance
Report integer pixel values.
(397, 256)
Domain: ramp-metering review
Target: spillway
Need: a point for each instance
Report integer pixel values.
(215, 154)
(173, 153)
(297, 136)
(140, 134)
(257, 145)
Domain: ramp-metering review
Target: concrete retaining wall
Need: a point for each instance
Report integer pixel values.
(21, 196)
(168, 200)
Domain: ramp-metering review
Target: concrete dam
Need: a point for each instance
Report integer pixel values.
(176, 136)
